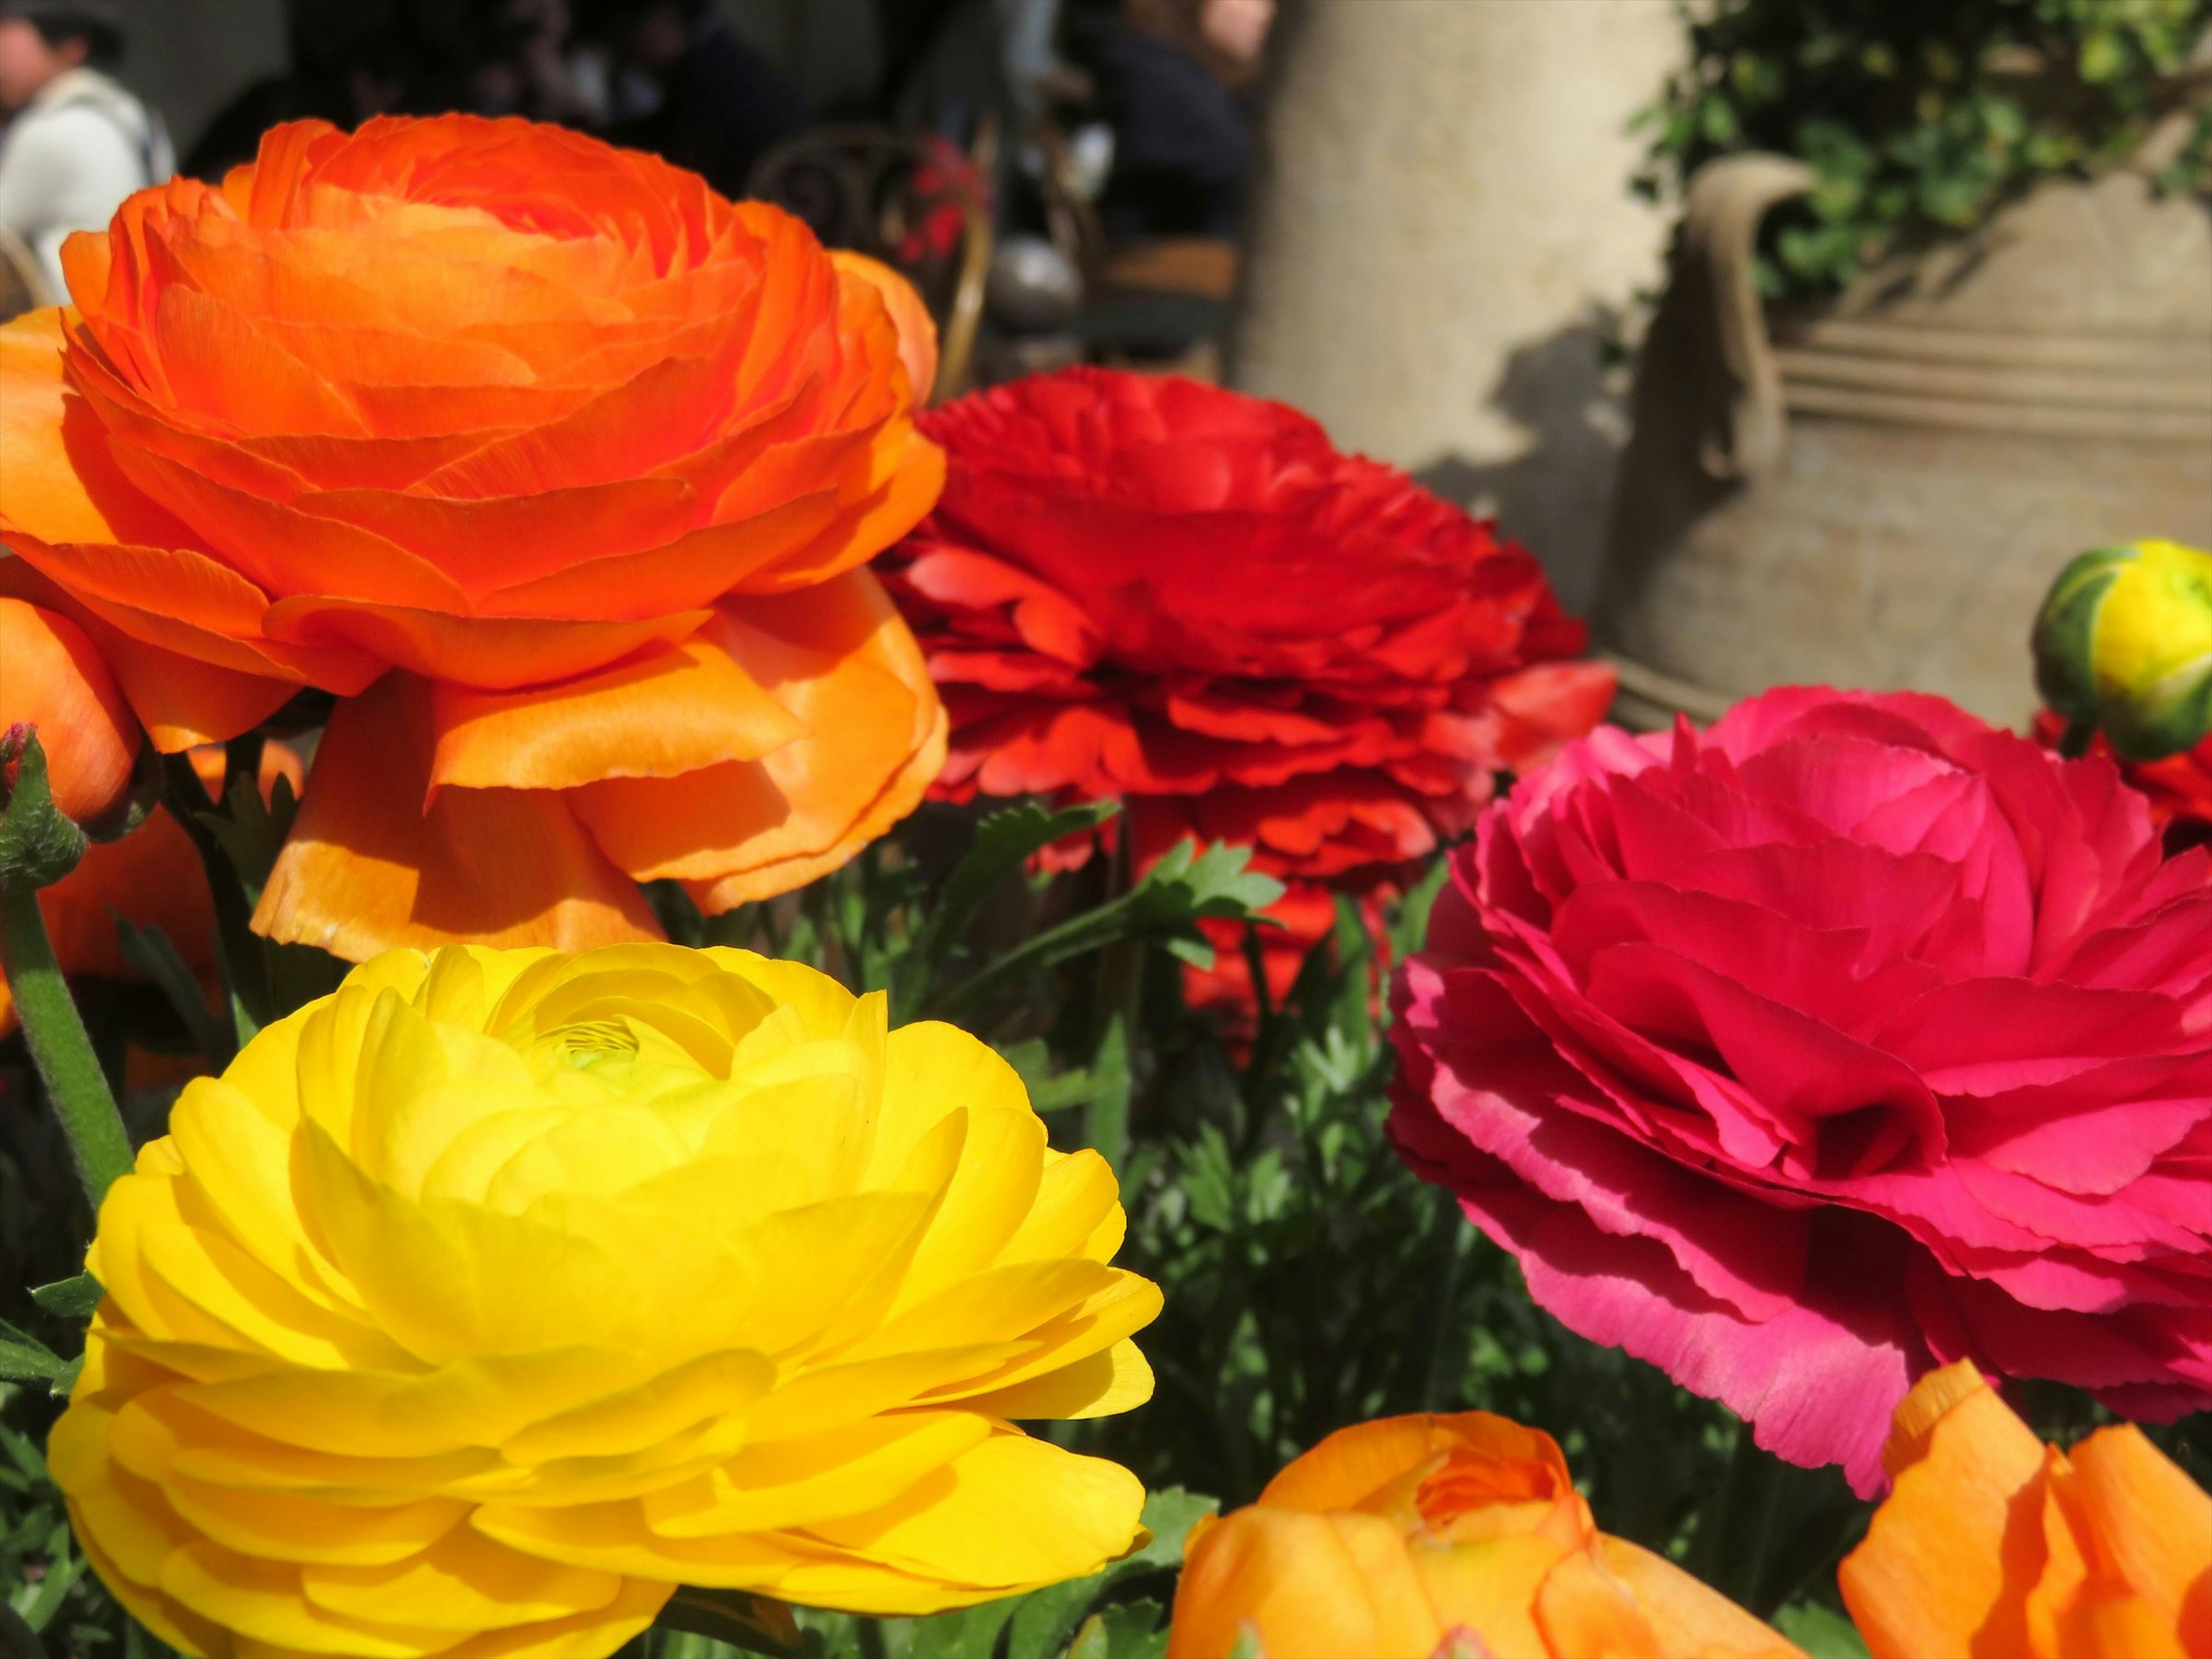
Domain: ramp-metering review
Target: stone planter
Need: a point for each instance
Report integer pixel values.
(1878, 492)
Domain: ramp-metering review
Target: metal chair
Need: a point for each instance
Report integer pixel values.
(920, 205)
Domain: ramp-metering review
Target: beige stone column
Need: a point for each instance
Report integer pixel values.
(1442, 228)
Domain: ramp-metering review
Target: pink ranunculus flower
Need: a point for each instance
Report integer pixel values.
(1845, 1039)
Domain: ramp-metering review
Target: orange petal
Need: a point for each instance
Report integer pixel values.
(1953, 1551)
(1578, 1607)
(503, 541)
(2150, 1527)
(659, 714)
(839, 659)
(61, 484)
(180, 701)
(913, 484)
(1686, 1616)
(1306, 1586)
(694, 570)
(1354, 1465)
(151, 877)
(285, 549)
(183, 602)
(493, 653)
(917, 329)
(53, 677)
(368, 869)
(899, 797)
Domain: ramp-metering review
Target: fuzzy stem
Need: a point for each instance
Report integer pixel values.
(56, 1034)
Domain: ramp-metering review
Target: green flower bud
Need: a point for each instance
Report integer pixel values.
(2123, 644)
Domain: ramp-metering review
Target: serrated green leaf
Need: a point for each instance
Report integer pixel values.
(1005, 841)
(1183, 888)
(70, 1298)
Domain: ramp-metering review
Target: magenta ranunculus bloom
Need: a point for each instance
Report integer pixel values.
(1847, 1038)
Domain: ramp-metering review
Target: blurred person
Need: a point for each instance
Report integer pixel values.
(372, 80)
(722, 105)
(79, 142)
(532, 67)
(1170, 79)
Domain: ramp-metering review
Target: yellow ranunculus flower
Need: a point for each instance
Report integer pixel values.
(481, 1303)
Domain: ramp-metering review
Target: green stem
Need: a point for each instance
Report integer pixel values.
(64, 1053)
(1118, 999)
(1454, 1235)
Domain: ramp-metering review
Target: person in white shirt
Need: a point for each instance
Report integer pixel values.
(78, 142)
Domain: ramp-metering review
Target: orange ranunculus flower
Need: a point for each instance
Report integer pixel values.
(558, 469)
(52, 677)
(1993, 1544)
(1415, 1536)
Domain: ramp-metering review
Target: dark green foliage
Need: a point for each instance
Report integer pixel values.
(1921, 119)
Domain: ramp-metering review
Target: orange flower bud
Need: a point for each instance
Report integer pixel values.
(54, 677)
(1411, 1537)
(1992, 1542)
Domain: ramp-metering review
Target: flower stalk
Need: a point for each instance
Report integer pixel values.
(38, 847)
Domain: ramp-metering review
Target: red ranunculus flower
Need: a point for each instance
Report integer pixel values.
(2179, 787)
(1849, 1037)
(1143, 588)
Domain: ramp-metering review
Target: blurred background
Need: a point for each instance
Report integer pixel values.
(1801, 340)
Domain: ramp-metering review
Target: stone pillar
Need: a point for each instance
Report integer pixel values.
(1442, 234)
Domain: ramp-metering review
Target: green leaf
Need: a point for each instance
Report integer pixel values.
(24, 1358)
(1131, 1631)
(753, 1622)
(1170, 1514)
(65, 1383)
(1004, 842)
(39, 845)
(1056, 1091)
(148, 950)
(70, 1298)
(17, 1639)
(1183, 888)
(971, 1633)
(1821, 1631)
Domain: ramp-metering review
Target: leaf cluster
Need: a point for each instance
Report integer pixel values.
(1922, 119)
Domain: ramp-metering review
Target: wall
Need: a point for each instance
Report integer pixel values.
(188, 58)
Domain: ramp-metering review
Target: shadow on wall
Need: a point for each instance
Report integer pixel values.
(1568, 398)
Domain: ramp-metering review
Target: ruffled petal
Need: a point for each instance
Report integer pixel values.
(368, 867)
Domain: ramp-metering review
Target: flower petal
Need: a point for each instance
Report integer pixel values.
(368, 867)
